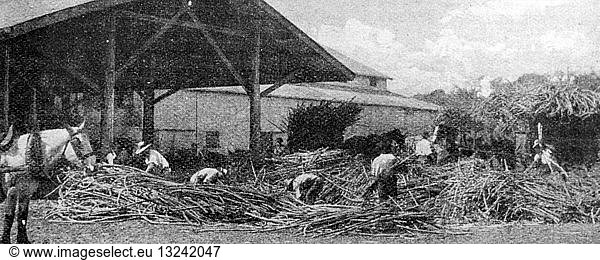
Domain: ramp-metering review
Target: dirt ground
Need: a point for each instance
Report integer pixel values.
(141, 232)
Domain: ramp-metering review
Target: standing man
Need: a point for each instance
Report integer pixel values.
(423, 149)
(543, 156)
(156, 163)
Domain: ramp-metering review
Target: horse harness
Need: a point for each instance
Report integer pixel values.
(76, 143)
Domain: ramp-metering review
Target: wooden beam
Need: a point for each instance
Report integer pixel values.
(6, 89)
(236, 74)
(148, 115)
(185, 24)
(287, 78)
(165, 95)
(108, 111)
(72, 71)
(65, 101)
(58, 16)
(262, 5)
(35, 123)
(255, 104)
(148, 43)
(141, 93)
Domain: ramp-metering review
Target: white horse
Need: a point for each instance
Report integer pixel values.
(49, 147)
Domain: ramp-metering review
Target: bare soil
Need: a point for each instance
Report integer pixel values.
(141, 232)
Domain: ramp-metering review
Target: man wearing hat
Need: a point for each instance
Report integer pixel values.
(156, 163)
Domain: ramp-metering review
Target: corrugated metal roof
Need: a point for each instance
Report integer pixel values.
(334, 92)
(19, 11)
(357, 67)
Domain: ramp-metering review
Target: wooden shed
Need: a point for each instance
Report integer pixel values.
(53, 49)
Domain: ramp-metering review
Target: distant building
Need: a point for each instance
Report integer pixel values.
(217, 119)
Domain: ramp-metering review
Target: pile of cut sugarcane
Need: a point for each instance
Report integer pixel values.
(386, 218)
(121, 193)
(345, 177)
(466, 192)
(340, 208)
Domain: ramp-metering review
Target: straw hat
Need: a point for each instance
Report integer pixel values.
(140, 147)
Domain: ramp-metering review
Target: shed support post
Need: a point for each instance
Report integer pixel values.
(6, 89)
(108, 111)
(255, 105)
(65, 105)
(35, 123)
(148, 118)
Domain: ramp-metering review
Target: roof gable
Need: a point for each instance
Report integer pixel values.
(358, 68)
(184, 56)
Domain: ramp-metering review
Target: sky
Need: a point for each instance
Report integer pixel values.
(426, 45)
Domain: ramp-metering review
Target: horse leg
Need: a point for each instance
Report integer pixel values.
(25, 194)
(3, 187)
(9, 213)
(22, 212)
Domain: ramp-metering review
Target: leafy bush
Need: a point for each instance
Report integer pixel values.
(313, 126)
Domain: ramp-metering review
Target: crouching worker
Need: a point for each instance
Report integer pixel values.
(543, 156)
(110, 157)
(155, 163)
(385, 181)
(306, 187)
(208, 176)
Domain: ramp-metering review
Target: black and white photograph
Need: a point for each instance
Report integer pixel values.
(196, 124)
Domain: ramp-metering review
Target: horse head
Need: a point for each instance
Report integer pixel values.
(78, 149)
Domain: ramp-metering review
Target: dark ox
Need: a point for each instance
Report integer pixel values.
(373, 145)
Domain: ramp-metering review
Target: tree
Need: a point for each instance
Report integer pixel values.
(311, 127)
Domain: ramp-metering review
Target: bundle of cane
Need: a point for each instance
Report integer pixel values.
(121, 193)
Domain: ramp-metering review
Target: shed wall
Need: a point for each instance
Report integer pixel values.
(183, 119)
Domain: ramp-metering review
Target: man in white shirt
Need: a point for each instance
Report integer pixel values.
(306, 187)
(423, 149)
(385, 179)
(208, 176)
(544, 157)
(156, 163)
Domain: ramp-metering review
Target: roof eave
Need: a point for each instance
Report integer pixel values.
(306, 39)
(21, 28)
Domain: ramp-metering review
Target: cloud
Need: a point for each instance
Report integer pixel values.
(356, 36)
(508, 38)
(443, 63)
(514, 8)
(502, 9)
(413, 71)
(573, 42)
(469, 41)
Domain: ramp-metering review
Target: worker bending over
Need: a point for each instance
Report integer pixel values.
(155, 162)
(208, 176)
(306, 187)
(385, 180)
